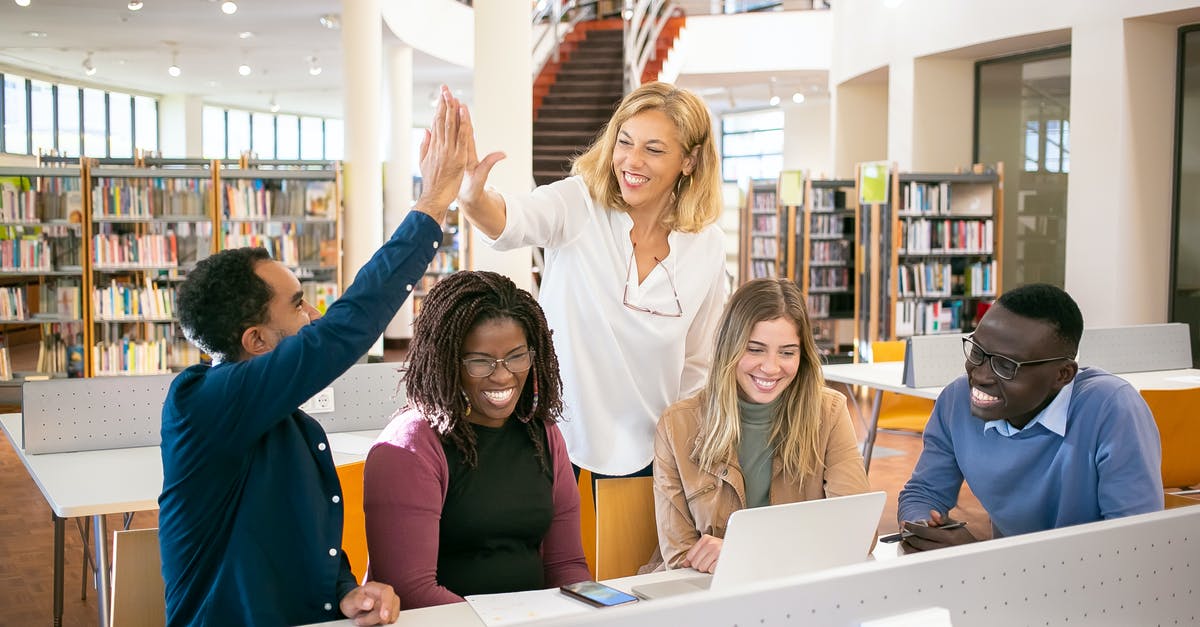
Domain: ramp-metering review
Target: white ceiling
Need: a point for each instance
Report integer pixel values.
(132, 50)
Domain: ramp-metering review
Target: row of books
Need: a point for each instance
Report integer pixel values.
(763, 201)
(320, 294)
(262, 199)
(53, 199)
(764, 246)
(966, 237)
(28, 254)
(828, 199)
(445, 261)
(831, 251)
(973, 199)
(130, 356)
(126, 302)
(818, 305)
(829, 278)
(150, 198)
(58, 355)
(765, 223)
(762, 269)
(914, 317)
(827, 225)
(289, 250)
(129, 250)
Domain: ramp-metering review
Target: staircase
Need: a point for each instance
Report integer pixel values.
(574, 98)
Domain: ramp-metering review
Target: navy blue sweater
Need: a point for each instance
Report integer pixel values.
(250, 521)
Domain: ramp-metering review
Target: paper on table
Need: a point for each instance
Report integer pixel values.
(350, 444)
(1186, 378)
(511, 608)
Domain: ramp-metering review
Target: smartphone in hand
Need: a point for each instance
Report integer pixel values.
(597, 594)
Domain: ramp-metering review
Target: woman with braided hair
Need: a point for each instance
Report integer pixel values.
(469, 489)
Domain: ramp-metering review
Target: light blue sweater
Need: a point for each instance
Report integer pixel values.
(1107, 465)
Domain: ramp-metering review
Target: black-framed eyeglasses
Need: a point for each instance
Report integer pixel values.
(654, 312)
(480, 367)
(1005, 367)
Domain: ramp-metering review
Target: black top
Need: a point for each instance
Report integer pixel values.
(495, 514)
(250, 516)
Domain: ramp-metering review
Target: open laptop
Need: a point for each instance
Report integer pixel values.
(784, 540)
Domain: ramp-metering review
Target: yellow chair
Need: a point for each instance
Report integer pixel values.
(626, 535)
(899, 412)
(1179, 431)
(354, 522)
(138, 599)
(587, 519)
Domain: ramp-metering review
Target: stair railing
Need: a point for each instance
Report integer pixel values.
(550, 27)
(644, 22)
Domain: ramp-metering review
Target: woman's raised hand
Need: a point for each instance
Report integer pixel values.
(444, 155)
(472, 193)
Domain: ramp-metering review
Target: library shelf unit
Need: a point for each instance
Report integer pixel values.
(111, 241)
(825, 263)
(41, 270)
(758, 252)
(943, 263)
(450, 258)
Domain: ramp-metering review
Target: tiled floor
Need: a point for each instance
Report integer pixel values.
(26, 540)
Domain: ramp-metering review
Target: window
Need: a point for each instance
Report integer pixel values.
(238, 139)
(95, 124)
(751, 145)
(120, 125)
(228, 133)
(287, 133)
(145, 123)
(312, 138)
(16, 122)
(335, 140)
(68, 121)
(212, 131)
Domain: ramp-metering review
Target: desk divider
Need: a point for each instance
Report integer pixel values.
(1137, 348)
(67, 415)
(933, 360)
(1141, 570)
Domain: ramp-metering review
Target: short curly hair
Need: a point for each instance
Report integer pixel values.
(1049, 304)
(433, 380)
(221, 298)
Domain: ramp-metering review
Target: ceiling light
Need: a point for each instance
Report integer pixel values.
(798, 98)
(89, 68)
(273, 106)
(134, 5)
(245, 34)
(36, 34)
(244, 69)
(314, 68)
(174, 70)
(22, 3)
(331, 21)
(229, 7)
(773, 100)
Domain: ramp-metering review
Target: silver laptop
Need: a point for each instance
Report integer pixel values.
(777, 541)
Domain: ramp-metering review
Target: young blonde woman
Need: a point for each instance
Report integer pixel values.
(635, 269)
(764, 430)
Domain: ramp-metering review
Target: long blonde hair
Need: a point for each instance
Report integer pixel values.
(795, 424)
(698, 195)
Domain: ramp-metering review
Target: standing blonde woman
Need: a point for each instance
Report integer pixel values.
(764, 431)
(635, 269)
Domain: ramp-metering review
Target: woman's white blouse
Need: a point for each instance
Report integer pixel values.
(620, 367)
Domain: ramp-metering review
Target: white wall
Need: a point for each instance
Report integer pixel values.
(860, 125)
(755, 42)
(179, 126)
(807, 135)
(441, 28)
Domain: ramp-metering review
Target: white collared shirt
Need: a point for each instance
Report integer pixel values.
(1053, 417)
(621, 368)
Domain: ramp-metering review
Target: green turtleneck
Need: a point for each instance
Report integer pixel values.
(755, 452)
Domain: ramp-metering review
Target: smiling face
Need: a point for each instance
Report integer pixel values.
(1035, 385)
(494, 398)
(647, 160)
(770, 362)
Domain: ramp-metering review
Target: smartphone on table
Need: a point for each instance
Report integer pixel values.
(597, 594)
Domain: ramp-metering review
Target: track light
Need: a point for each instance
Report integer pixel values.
(332, 21)
(229, 7)
(134, 5)
(774, 100)
(22, 3)
(314, 68)
(174, 70)
(89, 68)
(798, 98)
(244, 69)
(273, 106)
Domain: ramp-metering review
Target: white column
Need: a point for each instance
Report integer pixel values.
(397, 181)
(503, 115)
(362, 46)
(180, 130)
(1119, 191)
(900, 113)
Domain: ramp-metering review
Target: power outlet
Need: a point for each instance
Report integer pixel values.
(321, 403)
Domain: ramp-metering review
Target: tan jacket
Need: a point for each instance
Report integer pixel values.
(689, 501)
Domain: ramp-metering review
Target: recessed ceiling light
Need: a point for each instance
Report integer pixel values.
(134, 5)
(36, 34)
(22, 3)
(229, 7)
(245, 34)
(244, 69)
(89, 68)
(212, 83)
(332, 21)
(798, 98)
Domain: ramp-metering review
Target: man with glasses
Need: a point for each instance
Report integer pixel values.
(1042, 442)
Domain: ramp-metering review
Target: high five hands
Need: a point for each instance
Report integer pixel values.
(444, 155)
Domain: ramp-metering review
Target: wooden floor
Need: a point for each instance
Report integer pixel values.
(26, 539)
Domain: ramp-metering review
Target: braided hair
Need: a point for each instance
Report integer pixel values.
(455, 306)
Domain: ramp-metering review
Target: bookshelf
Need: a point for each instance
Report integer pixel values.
(450, 258)
(942, 261)
(91, 252)
(759, 250)
(825, 264)
(41, 270)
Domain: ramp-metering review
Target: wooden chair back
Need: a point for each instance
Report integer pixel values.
(354, 522)
(626, 535)
(138, 598)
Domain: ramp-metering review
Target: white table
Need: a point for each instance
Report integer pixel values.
(889, 376)
(97, 483)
